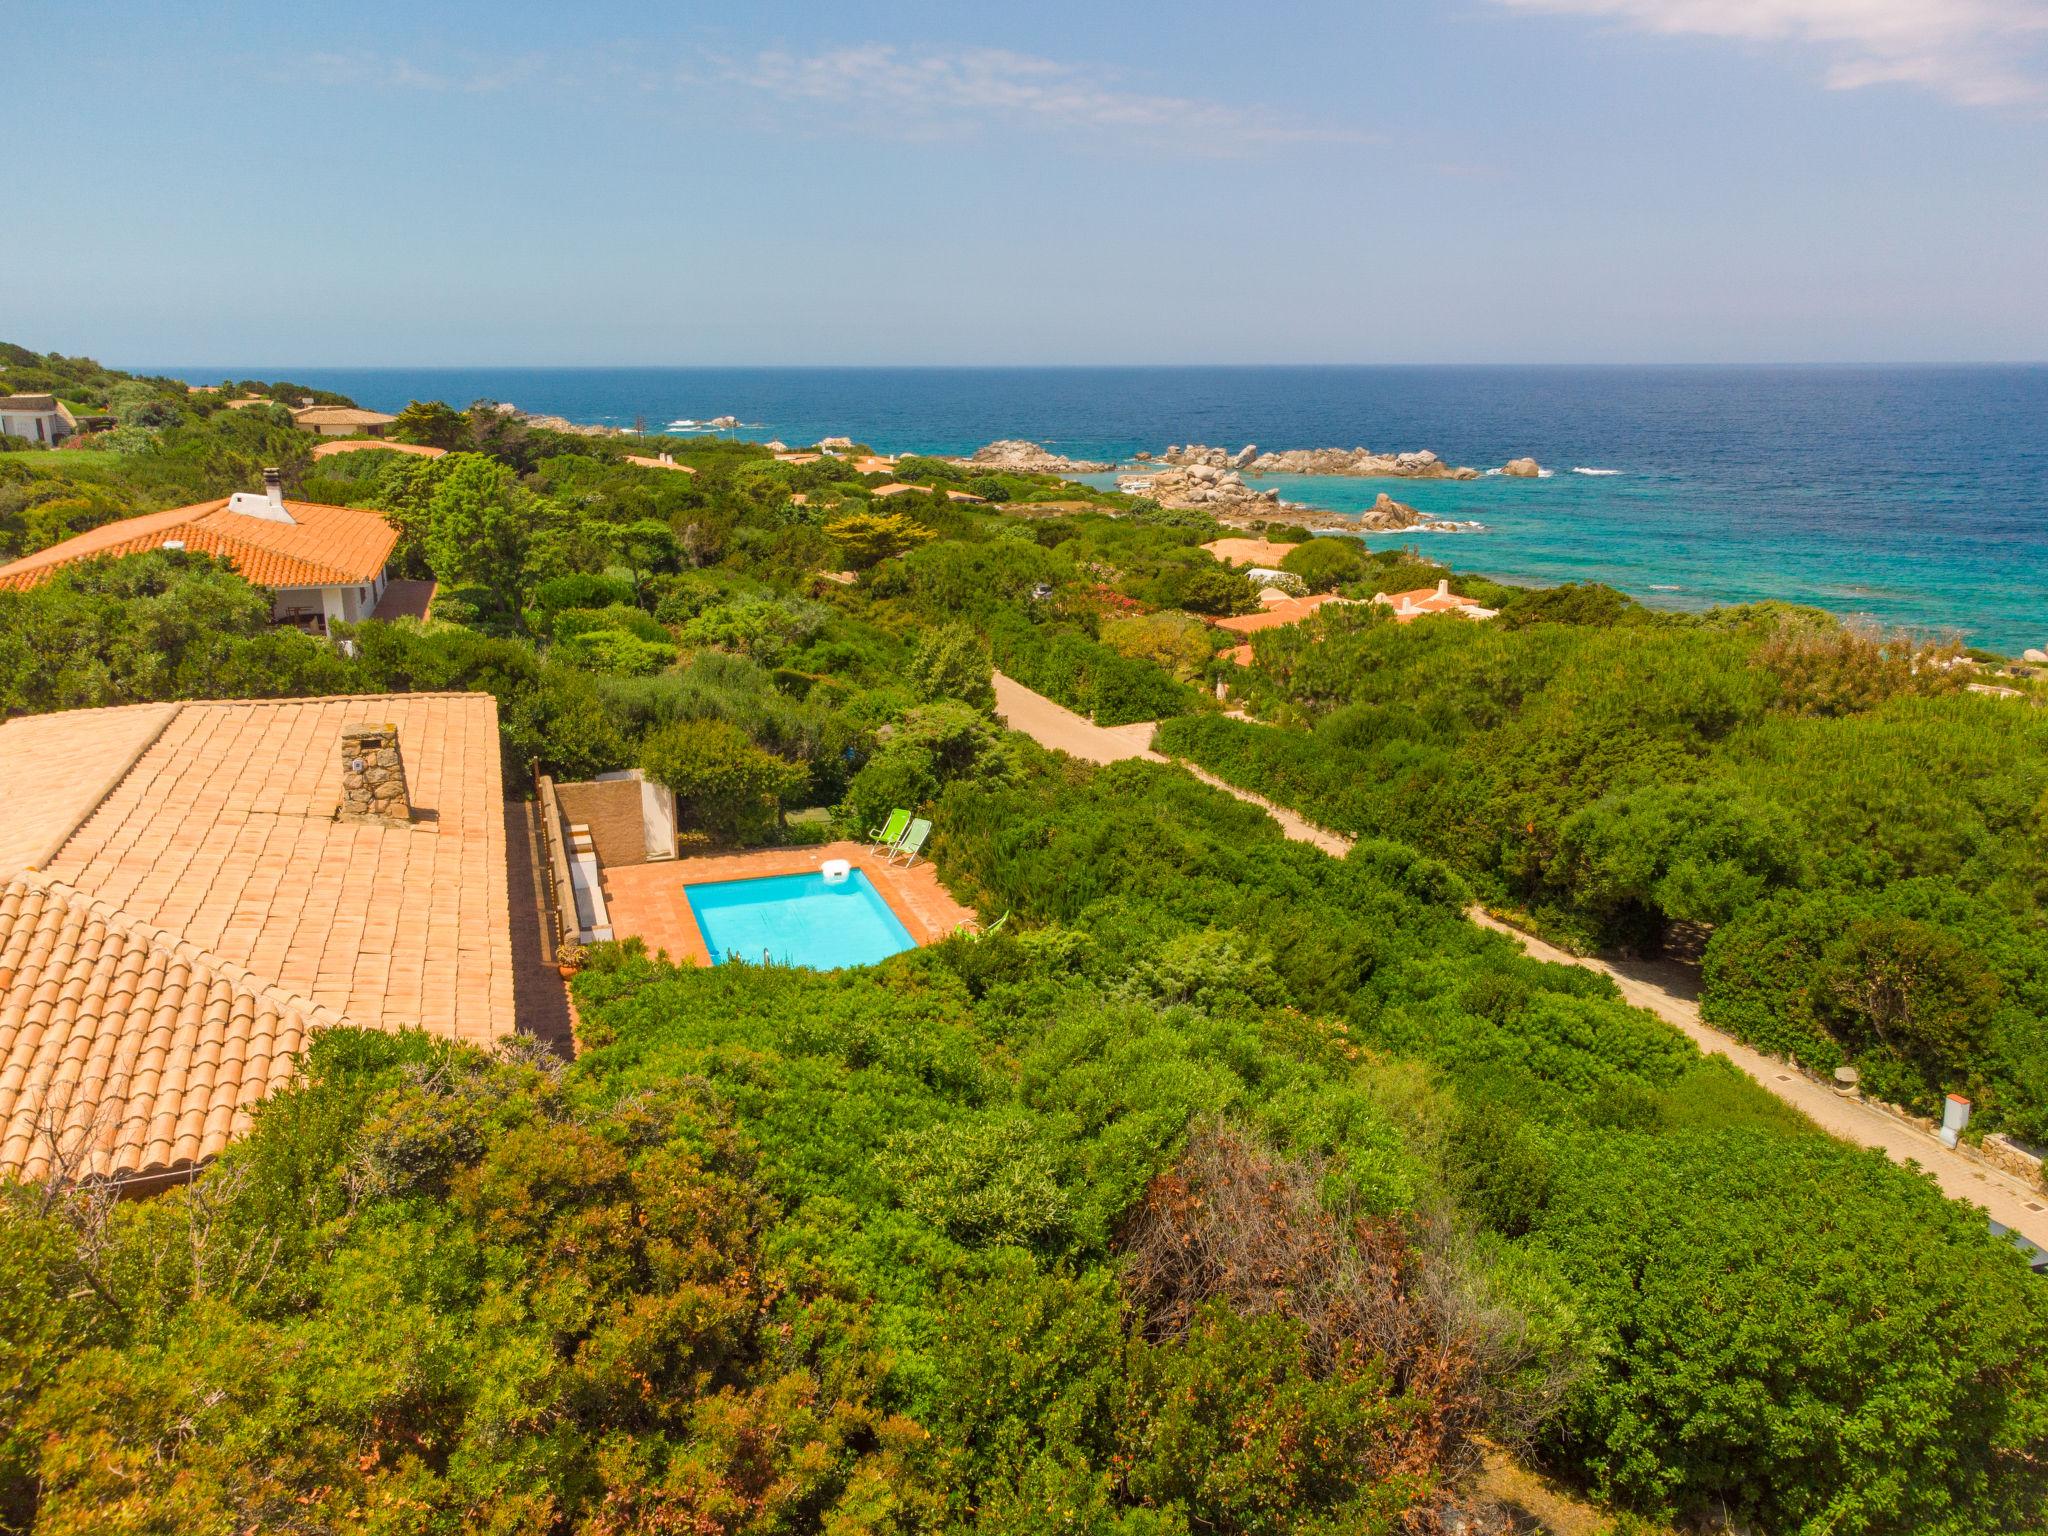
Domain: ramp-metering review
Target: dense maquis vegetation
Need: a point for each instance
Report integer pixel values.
(1227, 1187)
(1863, 841)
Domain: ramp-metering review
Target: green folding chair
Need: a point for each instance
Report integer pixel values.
(891, 832)
(913, 843)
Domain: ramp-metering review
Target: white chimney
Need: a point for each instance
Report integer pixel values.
(269, 505)
(1443, 588)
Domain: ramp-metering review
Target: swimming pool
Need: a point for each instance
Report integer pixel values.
(802, 920)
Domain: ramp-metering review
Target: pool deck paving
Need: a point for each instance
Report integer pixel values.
(647, 902)
(1665, 989)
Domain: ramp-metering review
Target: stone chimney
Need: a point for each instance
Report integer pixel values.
(373, 775)
(273, 487)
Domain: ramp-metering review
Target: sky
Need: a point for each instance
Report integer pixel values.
(796, 182)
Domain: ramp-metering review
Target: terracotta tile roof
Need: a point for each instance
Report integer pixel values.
(323, 546)
(1421, 601)
(1290, 610)
(358, 444)
(339, 416)
(123, 1051)
(58, 767)
(1259, 552)
(206, 833)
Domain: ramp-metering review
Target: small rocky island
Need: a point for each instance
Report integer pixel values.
(1030, 458)
(1360, 462)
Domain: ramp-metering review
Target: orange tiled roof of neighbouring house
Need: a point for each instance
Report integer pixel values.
(375, 445)
(1422, 601)
(184, 901)
(1258, 552)
(317, 416)
(1288, 610)
(319, 546)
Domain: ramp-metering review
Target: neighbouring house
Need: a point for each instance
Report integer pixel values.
(1263, 554)
(328, 449)
(189, 891)
(658, 461)
(322, 564)
(1277, 609)
(39, 418)
(1423, 601)
(340, 420)
(898, 488)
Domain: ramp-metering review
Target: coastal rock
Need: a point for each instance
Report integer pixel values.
(2036, 656)
(723, 422)
(829, 443)
(1144, 457)
(1419, 464)
(777, 445)
(1207, 486)
(1523, 469)
(1030, 458)
(562, 424)
(1388, 515)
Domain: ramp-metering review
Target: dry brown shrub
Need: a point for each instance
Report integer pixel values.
(1839, 669)
(1237, 1221)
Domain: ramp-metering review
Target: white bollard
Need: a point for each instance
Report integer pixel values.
(1955, 1115)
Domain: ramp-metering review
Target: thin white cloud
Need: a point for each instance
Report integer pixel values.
(472, 77)
(1985, 53)
(926, 93)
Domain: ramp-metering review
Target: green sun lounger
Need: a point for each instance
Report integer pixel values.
(912, 844)
(891, 833)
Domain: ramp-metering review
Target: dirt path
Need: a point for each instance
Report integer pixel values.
(1666, 990)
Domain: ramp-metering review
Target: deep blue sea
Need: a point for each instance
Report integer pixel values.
(1916, 496)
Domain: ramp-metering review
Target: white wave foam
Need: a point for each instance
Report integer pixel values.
(1496, 471)
(1581, 470)
(1545, 474)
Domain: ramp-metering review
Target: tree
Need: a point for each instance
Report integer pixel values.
(478, 523)
(953, 663)
(931, 747)
(869, 538)
(1326, 564)
(431, 424)
(1911, 988)
(1179, 642)
(727, 786)
(1212, 588)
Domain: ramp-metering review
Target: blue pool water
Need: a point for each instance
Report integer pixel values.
(802, 920)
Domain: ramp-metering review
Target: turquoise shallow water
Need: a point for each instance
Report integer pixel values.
(1918, 496)
(1644, 535)
(802, 920)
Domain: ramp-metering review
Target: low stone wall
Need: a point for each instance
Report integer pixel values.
(611, 809)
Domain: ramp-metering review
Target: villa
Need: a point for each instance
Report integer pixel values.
(322, 564)
(39, 418)
(1423, 601)
(188, 891)
(660, 461)
(336, 445)
(341, 420)
(1260, 554)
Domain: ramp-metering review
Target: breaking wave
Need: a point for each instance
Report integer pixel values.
(1581, 470)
